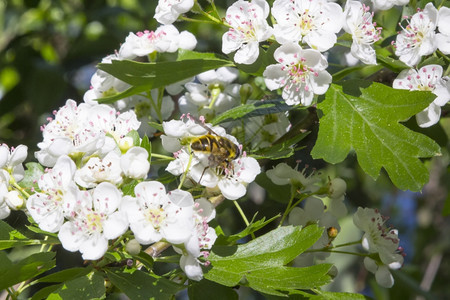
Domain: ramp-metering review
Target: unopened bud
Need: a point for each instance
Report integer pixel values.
(126, 143)
(14, 200)
(332, 232)
(245, 91)
(133, 247)
(337, 188)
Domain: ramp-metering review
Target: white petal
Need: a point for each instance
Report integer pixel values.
(384, 277)
(191, 267)
(94, 247)
(106, 198)
(247, 54)
(115, 225)
(71, 238)
(429, 116)
(231, 190)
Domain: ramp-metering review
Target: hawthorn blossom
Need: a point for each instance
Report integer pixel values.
(98, 170)
(427, 78)
(201, 241)
(214, 93)
(4, 184)
(168, 11)
(358, 22)
(231, 178)
(155, 215)
(134, 163)
(418, 37)
(97, 222)
(248, 28)
(11, 160)
(283, 174)
(379, 239)
(443, 37)
(58, 196)
(166, 38)
(315, 23)
(387, 4)
(300, 72)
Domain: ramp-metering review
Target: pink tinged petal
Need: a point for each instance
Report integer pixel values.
(288, 54)
(321, 83)
(231, 189)
(115, 225)
(94, 247)
(106, 198)
(191, 267)
(250, 168)
(71, 237)
(429, 116)
(275, 76)
(230, 43)
(247, 54)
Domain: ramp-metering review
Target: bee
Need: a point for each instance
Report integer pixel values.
(221, 150)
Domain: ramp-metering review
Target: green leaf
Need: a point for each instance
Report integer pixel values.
(141, 285)
(32, 173)
(135, 136)
(365, 117)
(206, 290)
(90, 286)
(44, 292)
(10, 237)
(392, 64)
(191, 55)
(279, 150)
(251, 228)
(252, 110)
(157, 126)
(145, 143)
(260, 263)
(338, 296)
(128, 188)
(65, 275)
(264, 59)
(27, 268)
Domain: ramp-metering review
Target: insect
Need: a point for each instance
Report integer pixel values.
(221, 150)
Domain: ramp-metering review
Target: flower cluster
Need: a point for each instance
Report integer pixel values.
(381, 242)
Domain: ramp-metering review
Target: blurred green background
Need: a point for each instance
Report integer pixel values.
(48, 52)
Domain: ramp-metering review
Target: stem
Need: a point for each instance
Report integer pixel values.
(196, 20)
(155, 107)
(336, 251)
(288, 207)
(162, 156)
(13, 182)
(241, 212)
(187, 169)
(347, 244)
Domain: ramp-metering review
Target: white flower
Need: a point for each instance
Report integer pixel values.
(202, 240)
(231, 176)
(358, 22)
(95, 224)
(382, 274)
(301, 73)
(313, 22)
(98, 170)
(213, 94)
(58, 197)
(443, 37)
(428, 78)
(135, 163)
(14, 200)
(168, 11)
(418, 37)
(155, 215)
(11, 160)
(379, 239)
(4, 183)
(166, 38)
(283, 174)
(248, 28)
(387, 4)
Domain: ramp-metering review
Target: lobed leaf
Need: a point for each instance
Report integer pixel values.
(365, 117)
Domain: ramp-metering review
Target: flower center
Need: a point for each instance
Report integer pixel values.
(156, 216)
(94, 222)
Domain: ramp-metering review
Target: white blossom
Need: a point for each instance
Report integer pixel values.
(155, 215)
(248, 28)
(58, 197)
(96, 223)
(135, 163)
(168, 11)
(418, 37)
(379, 239)
(300, 72)
(427, 78)
(358, 22)
(443, 37)
(165, 38)
(11, 160)
(312, 22)
(283, 174)
(387, 4)
(4, 183)
(98, 170)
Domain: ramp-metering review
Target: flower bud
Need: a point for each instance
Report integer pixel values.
(245, 91)
(133, 247)
(337, 188)
(126, 143)
(14, 200)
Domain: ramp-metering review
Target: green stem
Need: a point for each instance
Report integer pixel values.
(288, 207)
(347, 244)
(241, 212)
(196, 20)
(13, 182)
(154, 106)
(187, 168)
(336, 251)
(162, 156)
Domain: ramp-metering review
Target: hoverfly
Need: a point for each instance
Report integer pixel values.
(221, 150)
